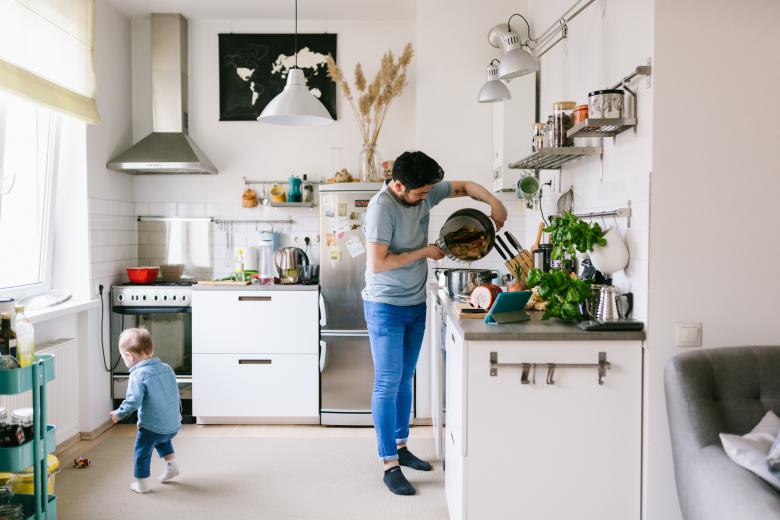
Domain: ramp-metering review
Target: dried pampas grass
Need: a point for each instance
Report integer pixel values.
(374, 98)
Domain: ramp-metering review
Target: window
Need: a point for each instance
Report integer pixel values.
(28, 151)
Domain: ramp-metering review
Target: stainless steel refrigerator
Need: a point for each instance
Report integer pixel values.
(346, 368)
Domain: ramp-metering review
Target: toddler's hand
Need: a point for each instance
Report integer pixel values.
(114, 416)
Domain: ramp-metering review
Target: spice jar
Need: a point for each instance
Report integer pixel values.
(24, 418)
(562, 122)
(11, 434)
(538, 138)
(580, 113)
(548, 132)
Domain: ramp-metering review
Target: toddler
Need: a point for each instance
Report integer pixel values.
(151, 390)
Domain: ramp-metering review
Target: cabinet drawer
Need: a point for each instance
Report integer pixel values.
(255, 385)
(238, 322)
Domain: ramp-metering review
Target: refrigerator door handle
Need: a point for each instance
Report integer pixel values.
(323, 313)
(323, 355)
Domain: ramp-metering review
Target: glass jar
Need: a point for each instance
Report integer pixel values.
(538, 138)
(370, 164)
(563, 112)
(548, 132)
(24, 418)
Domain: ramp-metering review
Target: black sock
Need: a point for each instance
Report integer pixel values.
(396, 482)
(407, 458)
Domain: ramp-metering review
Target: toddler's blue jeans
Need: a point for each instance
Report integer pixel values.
(145, 442)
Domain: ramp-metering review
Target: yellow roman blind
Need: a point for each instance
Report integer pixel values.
(46, 54)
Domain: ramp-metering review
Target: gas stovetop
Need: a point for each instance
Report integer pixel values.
(158, 294)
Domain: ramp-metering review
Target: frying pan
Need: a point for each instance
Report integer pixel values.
(467, 217)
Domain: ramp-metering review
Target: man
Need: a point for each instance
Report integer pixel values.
(394, 296)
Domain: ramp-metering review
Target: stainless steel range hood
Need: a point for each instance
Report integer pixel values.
(168, 149)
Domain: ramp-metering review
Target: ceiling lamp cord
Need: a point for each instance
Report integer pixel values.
(509, 28)
(296, 34)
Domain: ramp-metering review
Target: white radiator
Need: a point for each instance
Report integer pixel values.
(62, 394)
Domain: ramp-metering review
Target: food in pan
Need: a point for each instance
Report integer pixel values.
(467, 243)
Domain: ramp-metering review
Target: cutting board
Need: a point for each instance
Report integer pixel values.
(222, 282)
(470, 315)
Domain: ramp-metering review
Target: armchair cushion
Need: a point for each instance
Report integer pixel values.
(750, 450)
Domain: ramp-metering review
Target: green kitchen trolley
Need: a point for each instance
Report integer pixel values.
(40, 505)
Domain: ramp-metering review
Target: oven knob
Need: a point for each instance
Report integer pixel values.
(155, 297)
(173, 297)
(165, 298)
(121, 298)
(144, 297)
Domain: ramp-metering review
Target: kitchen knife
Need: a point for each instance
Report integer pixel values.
(506, 248)
(500, 252)
(513, 241)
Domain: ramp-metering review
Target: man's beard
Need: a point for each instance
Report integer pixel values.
(405, 199)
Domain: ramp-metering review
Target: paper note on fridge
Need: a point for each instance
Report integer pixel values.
(355, 247)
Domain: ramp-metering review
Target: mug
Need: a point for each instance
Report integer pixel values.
(278, 194)
(528, 186)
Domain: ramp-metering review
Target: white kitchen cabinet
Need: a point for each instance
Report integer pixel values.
(255, 356)
(227, 387)
(255, 321)
(567, 450)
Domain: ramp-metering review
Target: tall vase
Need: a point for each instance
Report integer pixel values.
(370, 164)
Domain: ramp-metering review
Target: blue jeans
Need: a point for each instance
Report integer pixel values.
(145, 442)
(396, 334)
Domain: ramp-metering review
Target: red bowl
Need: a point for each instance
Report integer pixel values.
(142, 274)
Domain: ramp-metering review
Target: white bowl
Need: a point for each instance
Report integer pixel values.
(612, 257)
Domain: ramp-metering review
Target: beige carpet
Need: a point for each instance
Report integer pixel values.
(253, 478)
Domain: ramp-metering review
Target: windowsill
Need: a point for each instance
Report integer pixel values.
(63, 309)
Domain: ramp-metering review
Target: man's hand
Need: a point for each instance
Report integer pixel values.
(498, 214)
(114, 416)
(434, 252)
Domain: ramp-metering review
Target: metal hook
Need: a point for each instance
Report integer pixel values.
(550, 373)
(524, 377)
(533, 374)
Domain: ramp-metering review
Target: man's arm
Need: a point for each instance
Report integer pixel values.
(380, 259)
(477, 192)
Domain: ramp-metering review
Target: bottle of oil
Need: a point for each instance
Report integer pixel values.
(7, 336)
(25, 338)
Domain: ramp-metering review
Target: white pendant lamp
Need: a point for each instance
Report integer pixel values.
(516, 61)
(494, 89)
(295, 105)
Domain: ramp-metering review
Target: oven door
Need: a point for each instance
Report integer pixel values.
(171, 330)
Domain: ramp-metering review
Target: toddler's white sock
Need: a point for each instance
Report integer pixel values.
(140, 485)
(171, 471)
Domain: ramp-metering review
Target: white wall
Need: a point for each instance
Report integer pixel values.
(452, 53)
(604, 46)
(112, 230)
(262, 151)
(714, 184)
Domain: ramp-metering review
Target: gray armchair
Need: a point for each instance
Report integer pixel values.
(709, 392)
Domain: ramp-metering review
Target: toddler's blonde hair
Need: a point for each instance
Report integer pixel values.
(137, 341)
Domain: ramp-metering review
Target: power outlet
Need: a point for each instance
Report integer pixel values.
(299, 239)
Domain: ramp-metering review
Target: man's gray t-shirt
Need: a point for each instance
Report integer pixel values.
(404, 228)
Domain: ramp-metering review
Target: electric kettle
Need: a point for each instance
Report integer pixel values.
(289, 263)
(606, 303)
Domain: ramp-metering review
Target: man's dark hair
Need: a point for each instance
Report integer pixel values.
(415, 170)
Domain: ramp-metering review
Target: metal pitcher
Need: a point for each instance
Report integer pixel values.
(290, 262)
(607, 303)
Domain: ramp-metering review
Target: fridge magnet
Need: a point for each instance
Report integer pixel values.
(342, 209)
(354, 227)
(354, 215)
(330, 239)
(355, 247)
(335, 254)
(340, 234)
(329, 212)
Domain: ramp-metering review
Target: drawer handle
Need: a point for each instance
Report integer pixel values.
(254, 298)
(254, 361)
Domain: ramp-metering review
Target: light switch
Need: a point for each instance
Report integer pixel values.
(688, 335)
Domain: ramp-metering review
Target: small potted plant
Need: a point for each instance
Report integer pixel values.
(561, 288)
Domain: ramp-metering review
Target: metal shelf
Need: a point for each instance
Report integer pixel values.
(553, 158)
(292, 204)
(594, 127)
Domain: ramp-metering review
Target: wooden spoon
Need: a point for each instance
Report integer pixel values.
(538, 237)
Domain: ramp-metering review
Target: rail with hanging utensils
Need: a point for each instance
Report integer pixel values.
(529, 369)
(619, 212)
